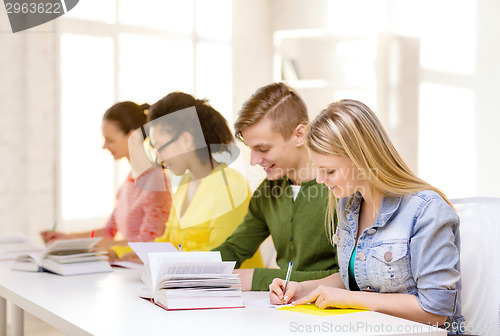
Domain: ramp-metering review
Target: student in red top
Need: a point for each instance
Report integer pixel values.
(142, 204)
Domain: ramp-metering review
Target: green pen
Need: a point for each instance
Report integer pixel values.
(54, 227)
(287, 279)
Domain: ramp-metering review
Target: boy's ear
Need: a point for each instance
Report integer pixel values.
(300, 134)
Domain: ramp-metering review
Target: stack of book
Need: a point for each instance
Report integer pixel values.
(191, 280)
(66, 257)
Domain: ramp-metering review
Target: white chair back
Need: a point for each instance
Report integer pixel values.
(480, 263)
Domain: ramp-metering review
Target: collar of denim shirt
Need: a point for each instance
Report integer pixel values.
(389, 206)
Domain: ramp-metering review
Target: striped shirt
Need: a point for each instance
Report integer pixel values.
(142, 207)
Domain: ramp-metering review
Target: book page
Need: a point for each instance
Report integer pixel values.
(180, 257)
(127, 264)
(80, 257)
(157, 259)
(72, 244)
(14, 245)
(12, 251)
(189, 282)
(33, 257)
(143, 249)
(197, 274)
(148, 281)
(195, 268)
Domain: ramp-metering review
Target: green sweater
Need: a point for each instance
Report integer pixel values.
(296, 227)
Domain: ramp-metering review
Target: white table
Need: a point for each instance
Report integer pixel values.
(109, 304)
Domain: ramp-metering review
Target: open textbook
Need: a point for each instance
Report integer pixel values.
(15, 244)
(142, 249)
(66, 257)
(191, 280)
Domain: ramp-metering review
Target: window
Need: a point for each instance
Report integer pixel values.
(85, 90)
(113, 50)
(447, 146)
(442, 76)
(447, 155)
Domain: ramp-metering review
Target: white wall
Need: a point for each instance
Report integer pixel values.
(28, 95)
(487, 116)
(298, 14)
(252, 48)
(252, 64)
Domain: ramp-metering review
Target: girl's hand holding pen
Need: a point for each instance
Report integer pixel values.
(276, 295)
(49, 236)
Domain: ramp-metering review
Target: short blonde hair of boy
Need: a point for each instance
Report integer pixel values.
(349, 128)
(277, 101)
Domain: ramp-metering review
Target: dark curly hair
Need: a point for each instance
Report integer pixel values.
(216, 132)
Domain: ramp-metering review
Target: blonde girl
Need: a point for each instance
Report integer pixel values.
(397, 236)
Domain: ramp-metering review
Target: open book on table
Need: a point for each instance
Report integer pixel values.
(142, 249)
(15, 244)
(191, 280)
(66, 257)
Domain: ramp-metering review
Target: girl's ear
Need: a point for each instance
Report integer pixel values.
(300, 135)
(186, 140)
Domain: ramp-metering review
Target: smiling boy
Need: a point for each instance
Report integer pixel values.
(288, 205)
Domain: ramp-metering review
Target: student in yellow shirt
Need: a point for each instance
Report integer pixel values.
(211, 199)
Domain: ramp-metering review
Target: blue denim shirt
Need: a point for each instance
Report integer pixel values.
(413, 247)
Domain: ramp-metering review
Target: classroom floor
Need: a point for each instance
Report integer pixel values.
(33, 326)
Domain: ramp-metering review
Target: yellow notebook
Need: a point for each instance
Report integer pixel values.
(313, 309)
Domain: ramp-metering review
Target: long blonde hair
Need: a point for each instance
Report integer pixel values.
(350, 129)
